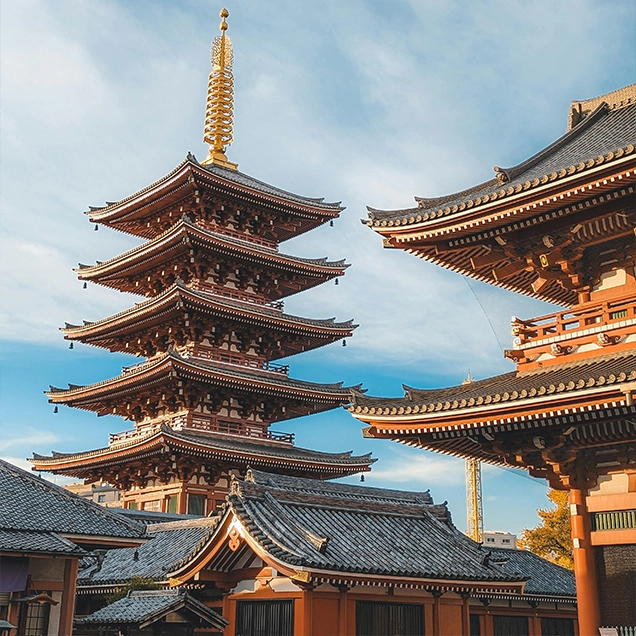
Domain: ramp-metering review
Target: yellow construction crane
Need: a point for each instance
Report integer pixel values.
(474, 507)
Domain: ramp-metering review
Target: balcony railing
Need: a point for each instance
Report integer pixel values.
(243, 236)
(216, 355)
(226, 292)
(209, 424)
(563, 325)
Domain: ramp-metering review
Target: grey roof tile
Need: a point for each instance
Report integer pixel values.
(395, 536)
(170, 544)
(558, 378)
(41, 542)
(603, 132)
(30, 503)
(147, 607)
(545, 577)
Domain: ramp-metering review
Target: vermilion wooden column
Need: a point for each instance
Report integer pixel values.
(342, 611)
(436, 612)
(584, 566)
(308, 611)
(67, 611)
(465, 614)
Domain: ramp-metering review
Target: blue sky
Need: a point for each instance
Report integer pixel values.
(368, 102)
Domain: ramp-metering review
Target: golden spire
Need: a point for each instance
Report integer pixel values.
(219, 111)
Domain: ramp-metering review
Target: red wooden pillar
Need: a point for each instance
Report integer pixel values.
(308, 611)
(67, 611)
(584, 566)
(436, 612)
(465, 614)
(342, 611)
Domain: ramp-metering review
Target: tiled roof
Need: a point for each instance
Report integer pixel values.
(150, 517)
(227, 445)
(232, 177)
(604, 136)
(546, 578)
(556, 379)
(146, 607)
(268, 255)
(246, 181)
(29, 503)
(223, 374)
(170, 544)
(227, 308)
(347, 531)
(41, 542)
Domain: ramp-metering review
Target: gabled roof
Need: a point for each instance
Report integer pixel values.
(38, 516)
(143, 608)
(606, 135)
(345, 531)
(171, 544)
(211, 446)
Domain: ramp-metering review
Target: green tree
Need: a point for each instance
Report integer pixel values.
(135, 583)
(551, 539)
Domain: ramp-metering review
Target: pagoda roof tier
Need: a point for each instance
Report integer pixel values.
(583, 401)
(179, 305)
(130, 271)
(575, 194)
(169, 370)
(212, 448)
(190, 180)
(587, 379)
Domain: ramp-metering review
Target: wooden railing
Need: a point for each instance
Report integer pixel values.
(590, 316)
(243, 236)
(218, 355)
(226, 292)
(201, 423)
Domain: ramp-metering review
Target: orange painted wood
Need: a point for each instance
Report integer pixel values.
(607, 503)
(625, 536)
(584, 567)
(68, 597)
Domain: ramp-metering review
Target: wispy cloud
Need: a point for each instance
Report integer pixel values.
(29, 438)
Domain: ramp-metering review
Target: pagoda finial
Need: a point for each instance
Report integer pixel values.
(219, 112)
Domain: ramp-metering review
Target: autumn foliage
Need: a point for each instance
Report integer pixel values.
(551, 539)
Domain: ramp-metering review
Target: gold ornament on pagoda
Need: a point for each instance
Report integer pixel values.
(219, 112)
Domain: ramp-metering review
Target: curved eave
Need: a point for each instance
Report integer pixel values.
(499, 210)
(157, 372)
(160, 248)
(167, 304)
(188, 176)
(76, 464)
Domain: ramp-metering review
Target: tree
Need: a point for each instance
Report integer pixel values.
(551, 539)
(135, 583)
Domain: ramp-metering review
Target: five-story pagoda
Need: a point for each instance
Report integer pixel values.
(213, 323)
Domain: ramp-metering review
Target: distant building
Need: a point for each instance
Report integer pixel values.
(104, 494)
(499, 539)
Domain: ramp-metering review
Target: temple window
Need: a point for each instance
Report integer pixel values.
(254, 618)
(196, 505)
(389, 618)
